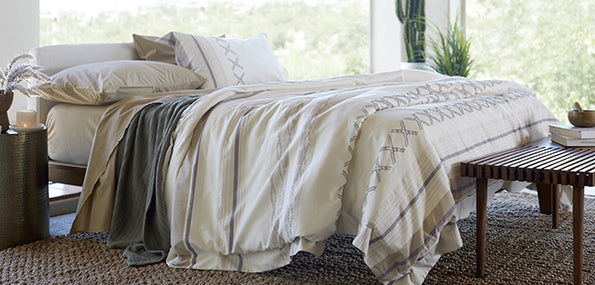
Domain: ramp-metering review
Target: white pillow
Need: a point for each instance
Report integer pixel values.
(110, 81)
(224, 62)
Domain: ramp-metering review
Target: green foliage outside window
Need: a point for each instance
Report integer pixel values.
(312, 41)
(549, 46)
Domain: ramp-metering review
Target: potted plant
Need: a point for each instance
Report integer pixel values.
(451, 52)
(18, 77)
(411, 14)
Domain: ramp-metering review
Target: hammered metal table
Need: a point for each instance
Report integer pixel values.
(544, 163)
(24, 202)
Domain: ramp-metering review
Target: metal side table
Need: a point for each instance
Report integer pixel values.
(24, 201)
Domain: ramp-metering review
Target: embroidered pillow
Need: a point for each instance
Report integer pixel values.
(224, 61)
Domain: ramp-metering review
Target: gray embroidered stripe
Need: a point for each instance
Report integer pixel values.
(240, 263)
(166, 40)
(432, 234)
(409, 205)
(194, 178)
(179, 62)
(204, 58)
(191, 203)
(450, 156)
(496, 138)
(464, 187)
(236, 158)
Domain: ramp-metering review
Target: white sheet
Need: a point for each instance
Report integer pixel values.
(70, 132)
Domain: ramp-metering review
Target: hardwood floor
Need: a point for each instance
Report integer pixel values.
(60, 191)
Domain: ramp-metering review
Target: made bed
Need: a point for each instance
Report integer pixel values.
(243, 174)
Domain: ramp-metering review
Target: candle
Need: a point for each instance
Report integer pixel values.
(26, 119)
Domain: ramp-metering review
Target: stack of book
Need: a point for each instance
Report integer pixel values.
(568, 135)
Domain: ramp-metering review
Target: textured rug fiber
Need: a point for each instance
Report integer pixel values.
(522, 249)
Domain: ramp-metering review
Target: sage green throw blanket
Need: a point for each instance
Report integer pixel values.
(139, 221)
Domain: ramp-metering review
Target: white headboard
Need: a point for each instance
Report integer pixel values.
(58, 57)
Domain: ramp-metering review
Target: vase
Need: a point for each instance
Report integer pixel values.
(5, 102)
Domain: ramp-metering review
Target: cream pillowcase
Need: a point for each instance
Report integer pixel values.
(110, 81)
(224, 61)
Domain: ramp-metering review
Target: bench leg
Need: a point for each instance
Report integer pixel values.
(578, 213)
(549, 201)
(481, 208)
(555, 205)
(544, 193)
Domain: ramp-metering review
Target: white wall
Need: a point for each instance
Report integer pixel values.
(19, 31)
(385, 30)
(385, 36)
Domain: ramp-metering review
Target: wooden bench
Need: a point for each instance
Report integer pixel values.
(547, 164)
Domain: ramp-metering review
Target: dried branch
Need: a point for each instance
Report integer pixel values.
(22, 76)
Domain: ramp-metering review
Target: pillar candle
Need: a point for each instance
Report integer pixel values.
(26, 119)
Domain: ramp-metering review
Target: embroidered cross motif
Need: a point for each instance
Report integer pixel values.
(378, 168)
(405, 132)
(236, 69)
(392, 149)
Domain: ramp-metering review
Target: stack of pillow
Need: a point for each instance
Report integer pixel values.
(175, 61)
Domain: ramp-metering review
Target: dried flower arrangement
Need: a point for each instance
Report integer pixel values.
(14, 76)
(18, 77)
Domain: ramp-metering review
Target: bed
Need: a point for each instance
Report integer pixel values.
(250, 169)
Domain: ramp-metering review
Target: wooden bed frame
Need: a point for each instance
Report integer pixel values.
(72, 174)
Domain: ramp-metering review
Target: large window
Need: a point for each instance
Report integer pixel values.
(312, 38)
(549, 46)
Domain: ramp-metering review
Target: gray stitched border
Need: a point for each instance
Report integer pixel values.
(204, 58)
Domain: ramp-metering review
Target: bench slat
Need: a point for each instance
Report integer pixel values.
(537, 163)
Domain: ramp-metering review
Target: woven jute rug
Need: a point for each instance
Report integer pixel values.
(522, 249)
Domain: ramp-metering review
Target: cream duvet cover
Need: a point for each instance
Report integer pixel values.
(260, 172)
